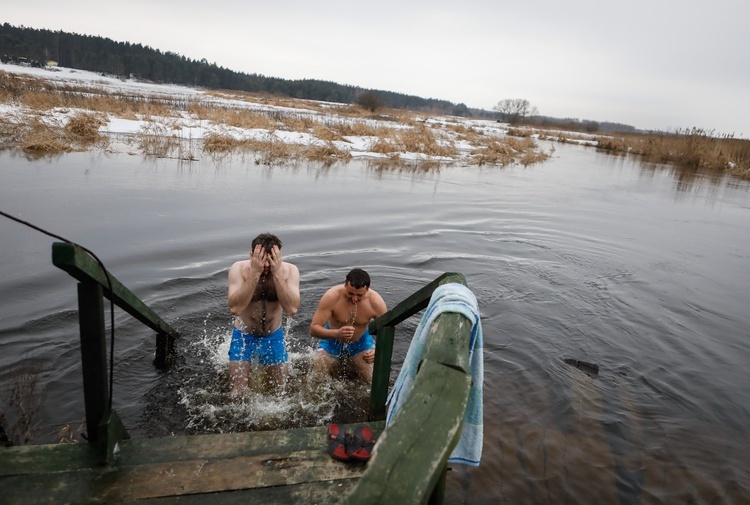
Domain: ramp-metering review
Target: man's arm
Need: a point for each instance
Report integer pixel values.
(240, 292)
(378, 305)
(241, 289)
(287, 290)
(323, 315)
(286, 279)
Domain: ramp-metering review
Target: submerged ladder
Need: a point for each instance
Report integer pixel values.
(282, 466)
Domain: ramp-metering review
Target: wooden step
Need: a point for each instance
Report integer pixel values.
(286, 466)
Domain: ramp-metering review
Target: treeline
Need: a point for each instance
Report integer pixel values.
(99, 54)
(582, 125)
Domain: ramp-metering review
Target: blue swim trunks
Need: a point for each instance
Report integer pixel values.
(336, 348)
(269, 349)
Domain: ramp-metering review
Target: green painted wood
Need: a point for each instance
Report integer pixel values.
(414, 303)
(164, 350)
(448, 342)
(411, 454)
(48, 458)
(328, 493)
(229, 445)
(111, 432)
(81, 265)
(381, 372)
(93, 355)
(286, 466)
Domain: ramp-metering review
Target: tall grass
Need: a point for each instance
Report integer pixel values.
(692, 148)
(20, 422)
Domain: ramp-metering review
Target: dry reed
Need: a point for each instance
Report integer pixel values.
(692, 148)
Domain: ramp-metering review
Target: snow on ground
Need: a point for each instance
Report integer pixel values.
(185, 125)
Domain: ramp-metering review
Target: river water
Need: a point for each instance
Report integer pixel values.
(641, 269)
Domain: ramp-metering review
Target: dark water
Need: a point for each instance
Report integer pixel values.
(641, 269)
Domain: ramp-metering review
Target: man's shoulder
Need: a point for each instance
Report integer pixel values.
(290, 267)
(237, 265)
(377, 304)
(334, 293)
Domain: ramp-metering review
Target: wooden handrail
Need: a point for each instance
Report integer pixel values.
(384, 328)
(103, 425)
(410, 460)
(81, 265)
(414, 303)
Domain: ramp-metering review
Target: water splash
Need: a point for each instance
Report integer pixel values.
(208, 407)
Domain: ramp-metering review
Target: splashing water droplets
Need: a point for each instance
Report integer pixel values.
(209, 407)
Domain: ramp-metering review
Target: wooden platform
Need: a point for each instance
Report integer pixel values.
(269, 467)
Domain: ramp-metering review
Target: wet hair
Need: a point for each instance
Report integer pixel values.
(267, 240)
(358, 278)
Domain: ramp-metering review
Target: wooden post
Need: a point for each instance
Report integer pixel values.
(381, 373)
(164, 350)
(93, 354)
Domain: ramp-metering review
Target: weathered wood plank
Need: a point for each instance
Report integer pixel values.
(201, 465)
(300, 475)
(329, 492)
(448, 342)
(28, 459)
(79, 264)
(228, 445)
(212, 475)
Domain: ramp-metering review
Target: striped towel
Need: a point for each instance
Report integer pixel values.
(452, 297)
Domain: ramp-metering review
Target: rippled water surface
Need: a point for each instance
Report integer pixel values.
(640, 269)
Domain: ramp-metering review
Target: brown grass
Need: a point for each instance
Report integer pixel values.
(24, 402)
(506, 151)
(41, 95)
(85, 126)
(693, 148)
(216, 142)
(238, 118)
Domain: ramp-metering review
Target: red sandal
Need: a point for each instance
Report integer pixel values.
(337, 443)
(360, 445)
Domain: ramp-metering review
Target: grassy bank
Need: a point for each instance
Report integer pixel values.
(690, 148)
(47, 115)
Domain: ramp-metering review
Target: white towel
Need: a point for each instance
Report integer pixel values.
(452, 297)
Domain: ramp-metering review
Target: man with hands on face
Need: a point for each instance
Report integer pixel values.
(261, 288)
(341, 322)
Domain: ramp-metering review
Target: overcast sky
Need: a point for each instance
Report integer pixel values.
(652, 64)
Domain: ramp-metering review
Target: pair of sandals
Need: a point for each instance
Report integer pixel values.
(355, 446)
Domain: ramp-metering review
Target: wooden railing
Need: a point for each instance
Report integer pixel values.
(385, 329)
(95, 283)
(410, 462)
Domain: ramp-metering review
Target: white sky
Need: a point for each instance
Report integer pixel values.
(652, 64)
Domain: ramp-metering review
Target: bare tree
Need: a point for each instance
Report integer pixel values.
(369, 100)
(515, 110)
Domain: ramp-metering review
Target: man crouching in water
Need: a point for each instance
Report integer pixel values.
(341, 322)
(260, 288)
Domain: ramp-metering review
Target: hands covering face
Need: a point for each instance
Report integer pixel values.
(260, 260)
